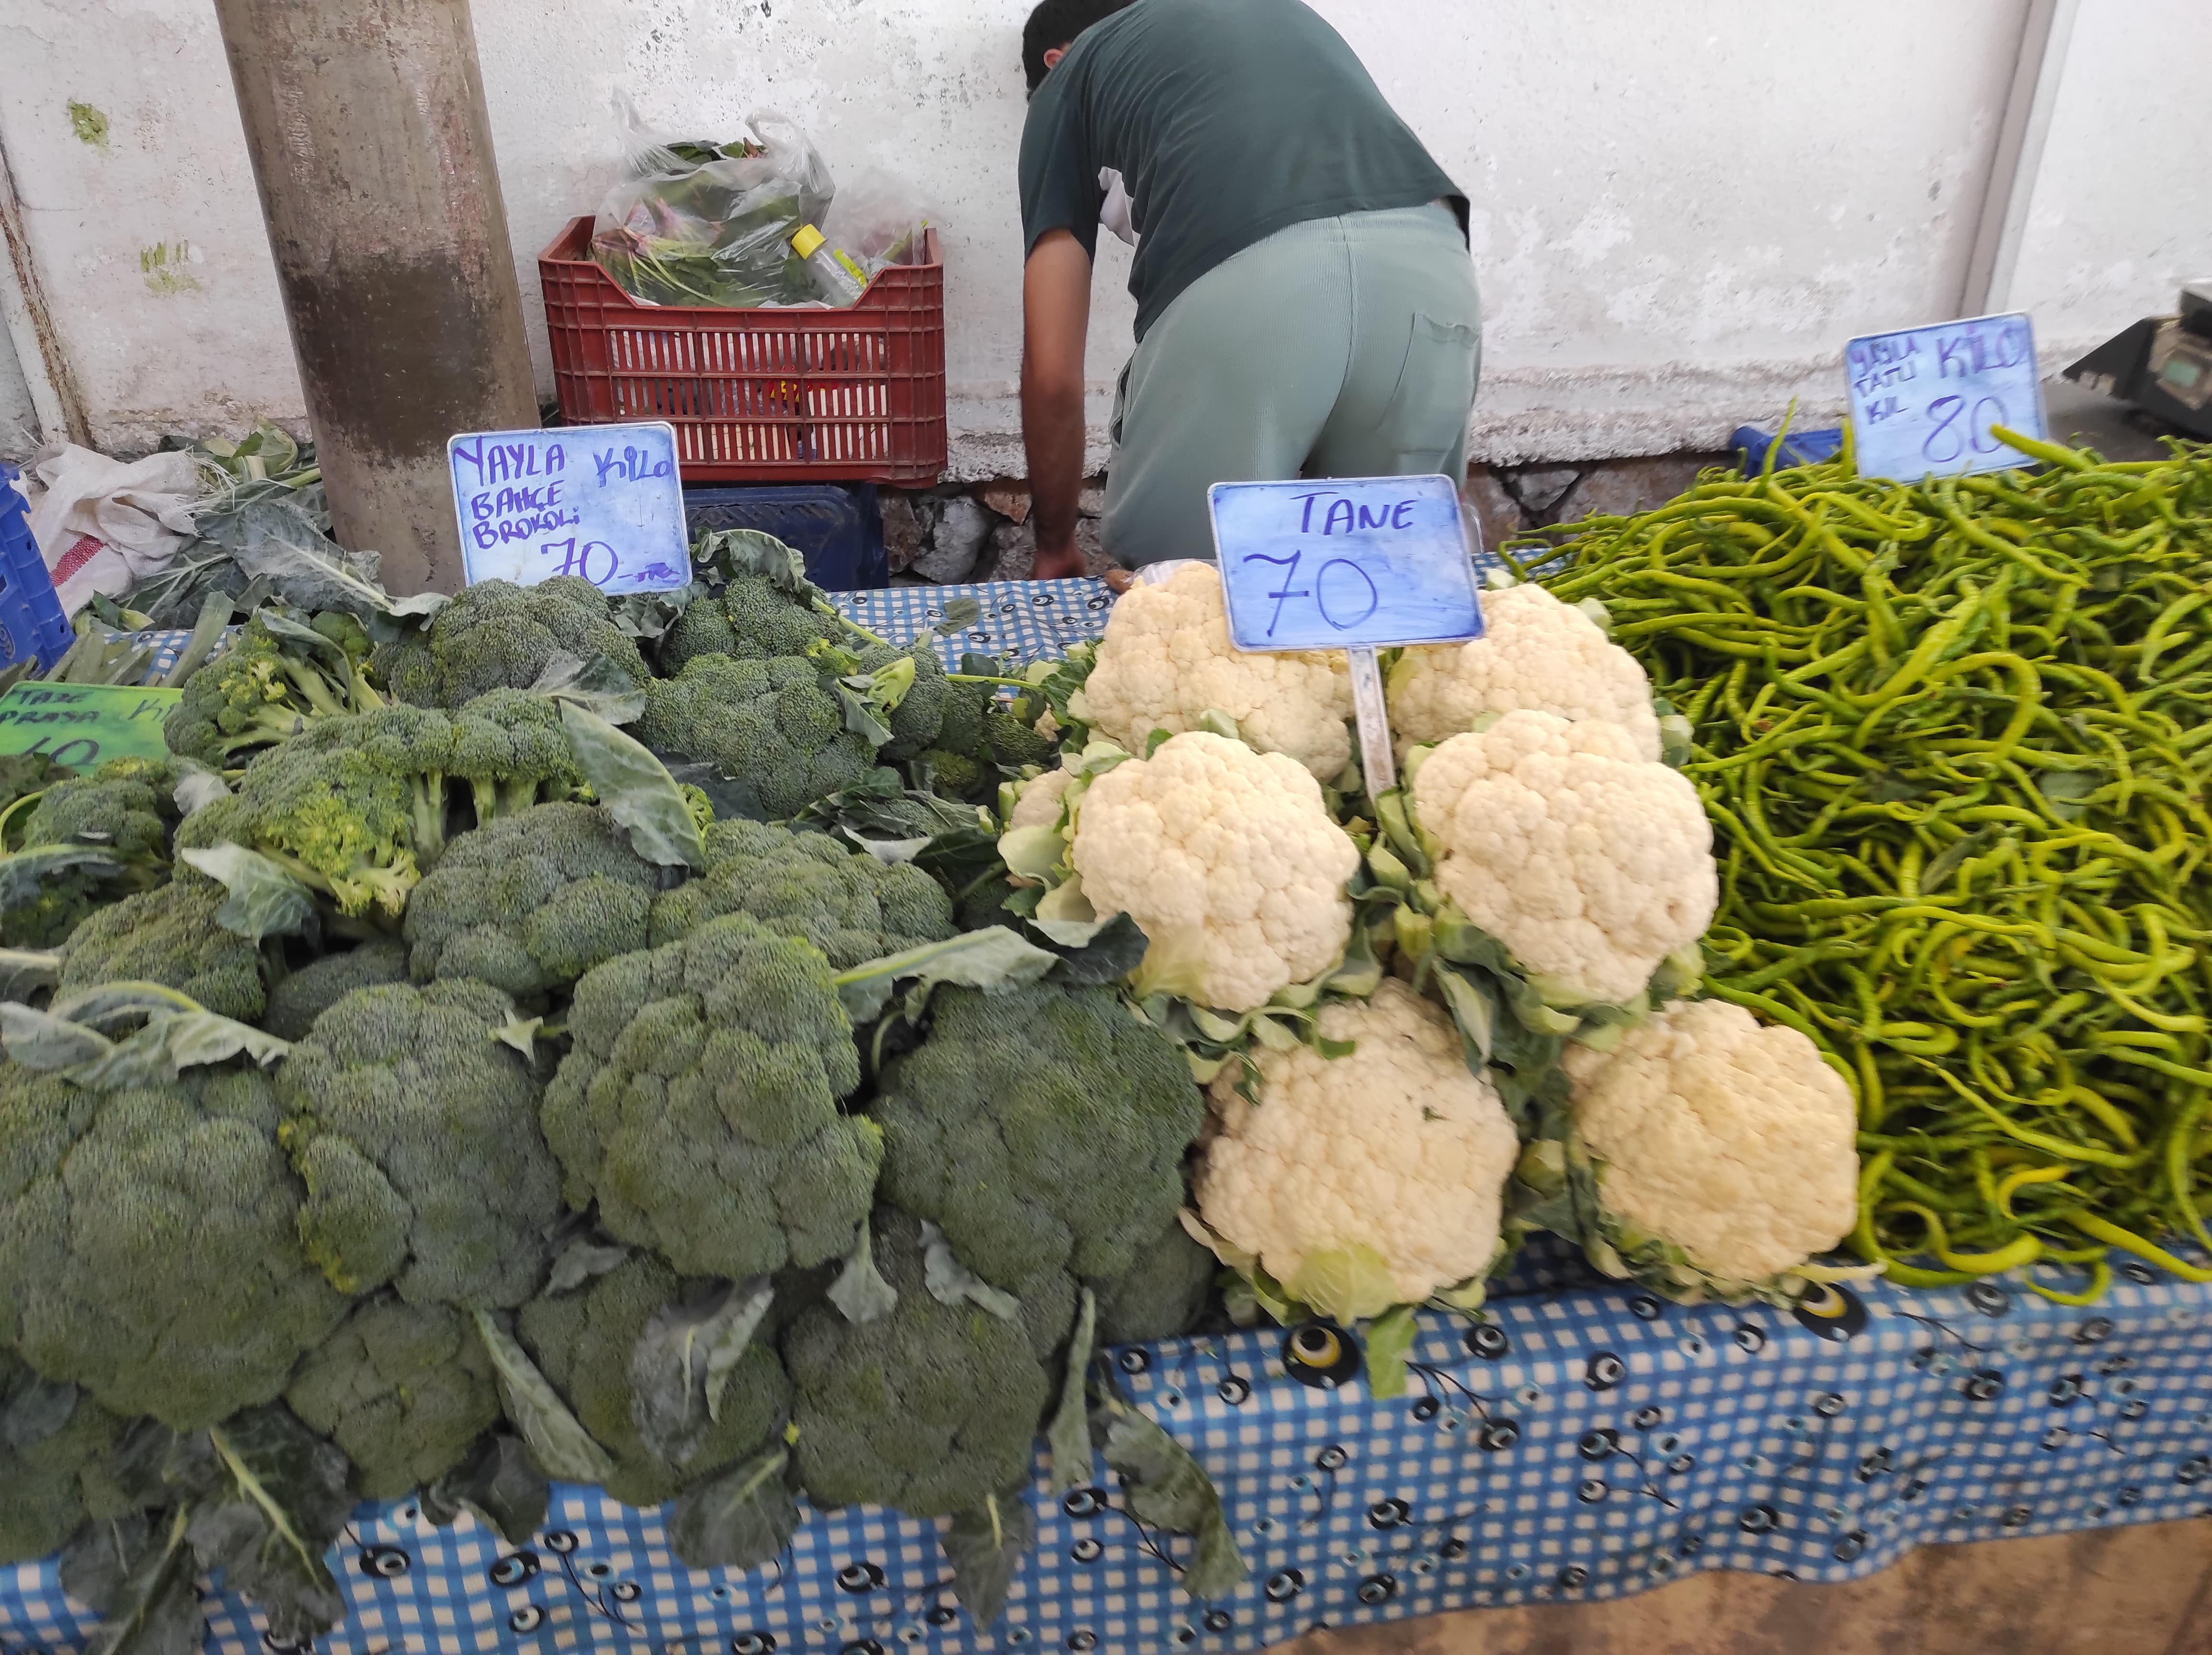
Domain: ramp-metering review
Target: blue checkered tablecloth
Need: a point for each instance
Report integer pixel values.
(1586, 1441)
(1023, 620)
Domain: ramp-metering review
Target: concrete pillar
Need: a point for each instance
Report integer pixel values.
(366, 121)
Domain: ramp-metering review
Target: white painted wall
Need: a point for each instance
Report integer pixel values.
(1681, 211)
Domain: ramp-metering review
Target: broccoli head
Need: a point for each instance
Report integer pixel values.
(582, 1343)
(127, 805)
(149, 1243)
(510, 747)
(1041, 1129)
(127, 808)
(532, 901)
(956, 776)
(926, 1409)
(168, 936)
(353, 806)
(699, 1103)
(846, 903)
(916, 721)
(750, 619)
(964, 727)
(404, 1389)
(416, 1129)
(1015, 744)
(1162, 1294)
(296, 1001)
(497, 635)
(266, 689)
(54, 1444)
(22, 774)
(771, 725)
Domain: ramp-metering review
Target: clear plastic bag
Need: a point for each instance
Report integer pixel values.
(698, 221)
(879, 219)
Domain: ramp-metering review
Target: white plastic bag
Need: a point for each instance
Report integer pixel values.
(878, 218)
(104, 525)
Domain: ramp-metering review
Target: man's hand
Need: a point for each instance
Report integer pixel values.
(1055, 324)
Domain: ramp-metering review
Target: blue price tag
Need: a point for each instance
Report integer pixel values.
(1922, 400)
(601, 501)
(1345, 563)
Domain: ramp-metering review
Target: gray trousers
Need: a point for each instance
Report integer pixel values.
(1339, 347)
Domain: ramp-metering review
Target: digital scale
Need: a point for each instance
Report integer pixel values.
(2162, 364)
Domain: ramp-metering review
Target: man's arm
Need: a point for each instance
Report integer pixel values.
(1055, 324)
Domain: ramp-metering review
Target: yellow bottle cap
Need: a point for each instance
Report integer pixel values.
(806, 241)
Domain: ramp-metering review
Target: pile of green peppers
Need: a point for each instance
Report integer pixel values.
(1953, 741)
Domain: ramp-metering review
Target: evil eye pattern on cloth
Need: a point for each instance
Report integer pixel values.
(1583, 1441)
(1023, 620)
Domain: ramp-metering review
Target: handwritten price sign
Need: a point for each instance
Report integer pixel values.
(1348, 563)
(1922, 400)
(601, 501)
(80, 726)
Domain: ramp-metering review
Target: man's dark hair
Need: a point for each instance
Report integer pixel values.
(1056, 23)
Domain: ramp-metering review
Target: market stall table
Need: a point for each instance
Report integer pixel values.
(1585, 1442)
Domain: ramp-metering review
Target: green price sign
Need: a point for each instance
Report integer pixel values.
(83, 725)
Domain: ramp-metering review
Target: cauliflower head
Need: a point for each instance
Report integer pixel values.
(1729, 1141)
(1037, 804)
(1535, 652)
(1224, 854)
(1364, 1181)
(1590, 862)
(1166, 661)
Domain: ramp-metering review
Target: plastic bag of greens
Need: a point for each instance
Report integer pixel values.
(708, 222)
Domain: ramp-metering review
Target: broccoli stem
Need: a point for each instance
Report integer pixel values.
(317, 688)
(516, 796)
(429, 789)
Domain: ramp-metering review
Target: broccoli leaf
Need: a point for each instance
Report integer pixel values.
(264, 900)
(1390, 1339)
(859, 1291)
(597, 686)
(951, 1283)
(1093, 952)
(43, 1041)
(500, 1483)
(22, 874)
(269, 1497)
(23, 972)
(580, 1259)
(138, 1573)
(563, 1447)
(280, 540)
(740, 1519)
(992, 959)
(32, 1409)
(634, 788)
(682, 1361)
(1070, 1430)
(985, 1545)
(1163, 1485)
(650, 614)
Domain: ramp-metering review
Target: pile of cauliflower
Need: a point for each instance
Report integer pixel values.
(1386, 1145)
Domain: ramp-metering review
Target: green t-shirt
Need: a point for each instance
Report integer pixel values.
(1228, 120)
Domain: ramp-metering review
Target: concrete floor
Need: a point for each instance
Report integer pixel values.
(2142, 1591)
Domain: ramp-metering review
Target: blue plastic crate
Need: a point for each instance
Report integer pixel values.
(837, 528)
(1798, 448)
(31, 618)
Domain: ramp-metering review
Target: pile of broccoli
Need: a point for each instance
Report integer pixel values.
(413, 1084)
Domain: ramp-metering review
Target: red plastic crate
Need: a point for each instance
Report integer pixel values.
(759, 396)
